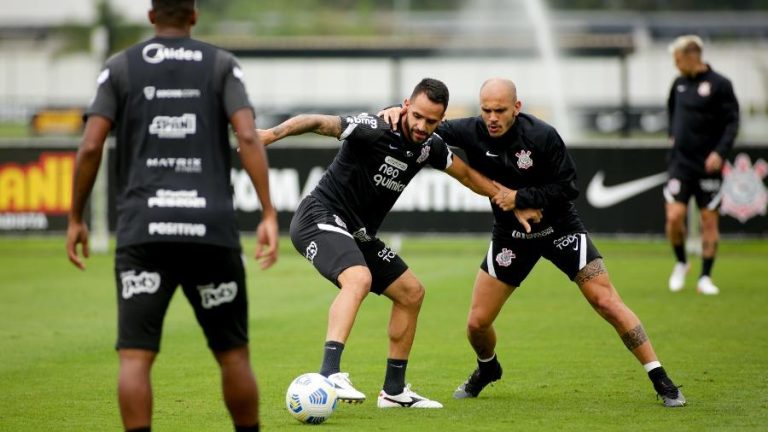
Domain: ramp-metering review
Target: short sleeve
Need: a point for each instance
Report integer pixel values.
(105, 103)
(362, 126)
(234, 93)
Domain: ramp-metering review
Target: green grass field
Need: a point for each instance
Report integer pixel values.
(565, 369)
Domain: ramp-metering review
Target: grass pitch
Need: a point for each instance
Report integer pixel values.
(564, 367)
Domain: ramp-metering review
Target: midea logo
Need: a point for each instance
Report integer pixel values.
(155, 53)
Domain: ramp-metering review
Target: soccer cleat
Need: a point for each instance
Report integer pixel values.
(706, 287)
(677, 279)
(476, 383)
(669, 393)
(407, 399)
(345, 392)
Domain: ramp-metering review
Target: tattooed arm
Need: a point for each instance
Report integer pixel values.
(302, 123)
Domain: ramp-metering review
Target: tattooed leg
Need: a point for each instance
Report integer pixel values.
(592, 270)
(634, 338)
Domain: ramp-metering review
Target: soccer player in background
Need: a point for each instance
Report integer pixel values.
(528, 156)
(703, 123)
(170, 101)
(335, 226)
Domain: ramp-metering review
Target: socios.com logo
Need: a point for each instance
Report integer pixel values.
(155, 53)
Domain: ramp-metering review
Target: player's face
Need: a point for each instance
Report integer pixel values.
(686, 62)
(499, 110)
(422, 118)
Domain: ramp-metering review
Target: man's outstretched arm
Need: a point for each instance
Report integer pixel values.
(316, 123)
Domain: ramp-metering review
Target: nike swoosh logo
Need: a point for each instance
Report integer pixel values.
(404, 404)
(489, 154)
(392, 147)
(600, 196)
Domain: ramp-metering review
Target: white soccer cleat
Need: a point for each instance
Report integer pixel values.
(345, 392)
(706, 287)
(677, 279)
(407, 399)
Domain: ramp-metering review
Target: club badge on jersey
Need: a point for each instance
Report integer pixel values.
(524, 160)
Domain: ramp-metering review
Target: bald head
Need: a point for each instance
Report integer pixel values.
(499, 106)
(500, 87)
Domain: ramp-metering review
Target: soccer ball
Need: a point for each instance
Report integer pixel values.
(311, 398)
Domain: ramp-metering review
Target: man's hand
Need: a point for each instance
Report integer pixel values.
(266, 241)
(77, 233)
(505, 198)
(714, 163)
(527, 216)
(392, 116)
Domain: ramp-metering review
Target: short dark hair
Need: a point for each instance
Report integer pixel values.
(173, 11)
(435, 90)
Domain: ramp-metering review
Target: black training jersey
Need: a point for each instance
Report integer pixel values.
(170, 100)
(703, 117)
(371, 170)
(530, 158)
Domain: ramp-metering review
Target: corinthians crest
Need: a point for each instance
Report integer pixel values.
(505, 257)
(744, 194)
(524, 160)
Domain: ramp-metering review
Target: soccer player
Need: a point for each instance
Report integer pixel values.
(170, 101)
(703, 123)
(528, 156)
(335, 226)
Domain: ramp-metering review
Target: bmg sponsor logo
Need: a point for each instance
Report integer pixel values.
(142, 283)
(363, 119)
(212, 296)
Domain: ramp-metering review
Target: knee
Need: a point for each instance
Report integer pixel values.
(709, 225)
(477, 323)
(413, 295)
(356, 279)
(606, 302)
(675, 217)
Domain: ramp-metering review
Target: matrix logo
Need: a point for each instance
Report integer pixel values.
(155, 53)
(173, 127)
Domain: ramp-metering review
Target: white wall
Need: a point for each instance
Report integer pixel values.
(30, 73)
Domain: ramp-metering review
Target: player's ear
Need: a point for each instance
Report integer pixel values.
(406, 103)
(193, 18)
(152, 16)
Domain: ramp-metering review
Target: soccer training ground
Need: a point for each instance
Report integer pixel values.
(564, 367)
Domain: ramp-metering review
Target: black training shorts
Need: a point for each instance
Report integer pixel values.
(212, 278)
(706, 190)
(510, 259)
(322, 237)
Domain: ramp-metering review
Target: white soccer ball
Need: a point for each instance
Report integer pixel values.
(311, 398)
